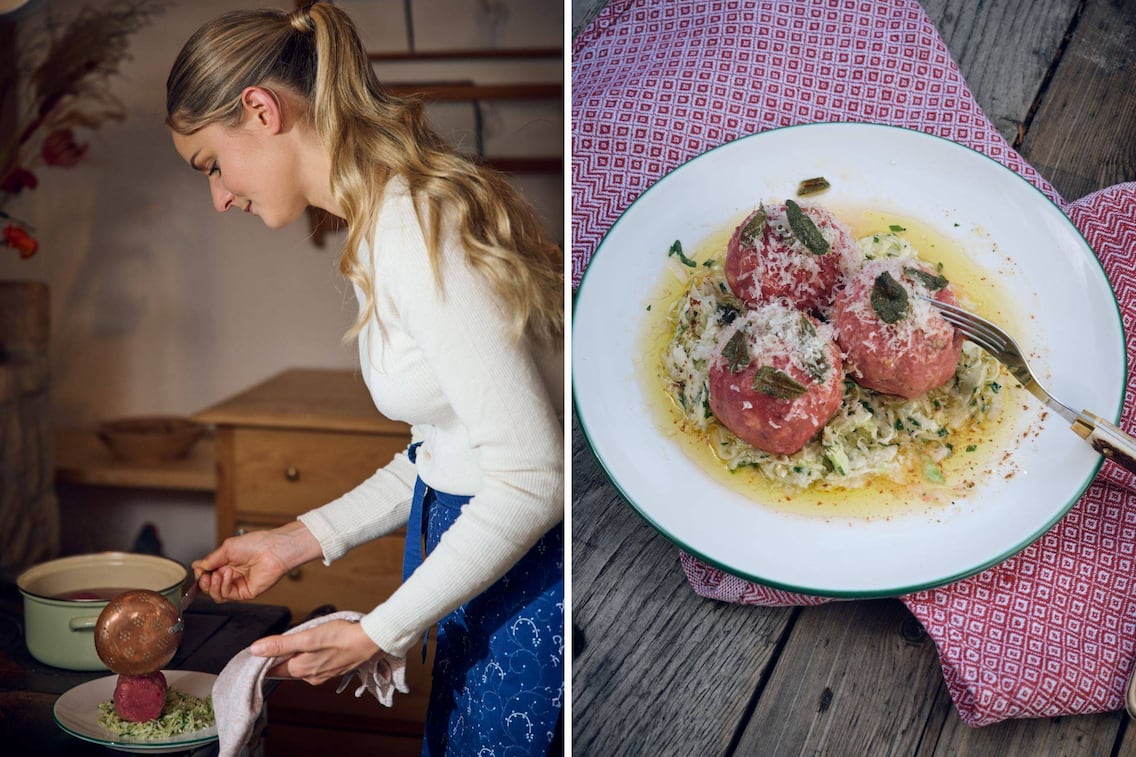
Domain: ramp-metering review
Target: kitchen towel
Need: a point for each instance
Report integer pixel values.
(1052, 631)
(238, 693)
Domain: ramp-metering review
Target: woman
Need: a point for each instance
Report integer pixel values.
(459, 293)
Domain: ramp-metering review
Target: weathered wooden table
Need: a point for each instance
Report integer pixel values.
(659, 670)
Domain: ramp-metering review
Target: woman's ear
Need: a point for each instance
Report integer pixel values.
(263, 107)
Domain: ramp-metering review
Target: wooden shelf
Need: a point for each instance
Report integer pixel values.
(305, 399)
(81, 458)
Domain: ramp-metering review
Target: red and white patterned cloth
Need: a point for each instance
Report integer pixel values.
(1052, 631)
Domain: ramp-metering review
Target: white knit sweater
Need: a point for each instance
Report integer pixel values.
(485, 409)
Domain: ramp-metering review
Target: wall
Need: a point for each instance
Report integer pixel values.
(159, 304)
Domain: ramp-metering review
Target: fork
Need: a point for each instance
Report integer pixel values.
(1105, 438)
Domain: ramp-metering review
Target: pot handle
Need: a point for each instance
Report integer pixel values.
(83, 624)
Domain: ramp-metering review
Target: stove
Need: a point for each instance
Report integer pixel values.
(29, 688)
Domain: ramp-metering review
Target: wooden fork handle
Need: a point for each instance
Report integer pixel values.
(1107, 439)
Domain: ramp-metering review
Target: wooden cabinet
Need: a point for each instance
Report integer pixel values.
(286, 446)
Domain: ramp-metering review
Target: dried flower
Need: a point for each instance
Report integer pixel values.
(61, 149)
(65, 85)
(19, 179)
(20, 239)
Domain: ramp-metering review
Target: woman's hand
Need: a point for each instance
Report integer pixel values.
(245, 566)
(318, 654)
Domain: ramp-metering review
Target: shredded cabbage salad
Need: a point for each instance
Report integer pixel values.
(871, 435)
(182, 715)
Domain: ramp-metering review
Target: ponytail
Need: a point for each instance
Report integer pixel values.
(371, 136)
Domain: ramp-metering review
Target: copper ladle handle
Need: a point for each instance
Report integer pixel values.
(139, 631)
(186, 601)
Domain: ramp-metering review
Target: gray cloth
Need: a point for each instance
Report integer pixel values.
(238, 693)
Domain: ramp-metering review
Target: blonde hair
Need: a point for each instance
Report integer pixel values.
(315, 52)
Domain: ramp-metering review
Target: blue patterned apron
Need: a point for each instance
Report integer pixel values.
(498, 679)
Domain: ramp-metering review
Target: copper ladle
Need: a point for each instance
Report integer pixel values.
(139, 631)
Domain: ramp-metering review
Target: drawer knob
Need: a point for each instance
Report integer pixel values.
(240, 532)
(292, 473)
(294, 574)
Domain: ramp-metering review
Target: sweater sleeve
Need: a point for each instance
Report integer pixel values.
(372, 509)
(493, 385)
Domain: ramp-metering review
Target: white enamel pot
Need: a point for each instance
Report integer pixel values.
(60, 631)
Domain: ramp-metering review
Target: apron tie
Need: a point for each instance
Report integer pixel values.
(412, 554)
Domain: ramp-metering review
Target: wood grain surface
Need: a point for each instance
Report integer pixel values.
(659, 670)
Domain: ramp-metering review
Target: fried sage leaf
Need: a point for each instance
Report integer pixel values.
(804, 229)
(931, 281)
(726, 312)
(889, 299)
(817, 364)
(812, 186)
(736, 352)
(753, 229)
(775, 383)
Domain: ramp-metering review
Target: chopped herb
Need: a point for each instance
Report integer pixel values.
(867, 406)
(676, 249)
(913, 422)
(899, 424)
(932, 282)
(753, 229)
(995, 387)
(736, 352)
(768, 380)
(812, 186)
(838, 457)
(896, 228)
(709, 262)
(944, 432)
(648, 308)
(971, 447)
(889, 299)
(933, 473)
(804, 229)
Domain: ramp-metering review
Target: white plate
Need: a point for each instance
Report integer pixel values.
(1004, 223)
(77, 713)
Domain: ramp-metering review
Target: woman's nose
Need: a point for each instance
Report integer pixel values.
(222, 198)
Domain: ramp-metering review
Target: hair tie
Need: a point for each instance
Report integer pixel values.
(301, 19)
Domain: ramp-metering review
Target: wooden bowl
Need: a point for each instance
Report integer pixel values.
(150, 440)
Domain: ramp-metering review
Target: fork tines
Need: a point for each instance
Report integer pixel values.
(979, 330)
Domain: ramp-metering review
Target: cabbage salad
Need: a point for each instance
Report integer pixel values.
(183, 714)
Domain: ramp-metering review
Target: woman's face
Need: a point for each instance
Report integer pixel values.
(249, 168)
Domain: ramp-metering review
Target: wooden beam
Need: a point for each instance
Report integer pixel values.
(519, 53)
(467, 91)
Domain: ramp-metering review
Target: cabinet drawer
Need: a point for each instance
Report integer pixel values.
(363, 578)
(285, 473)
(297, 704)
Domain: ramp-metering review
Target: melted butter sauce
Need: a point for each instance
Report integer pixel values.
(993, 441)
